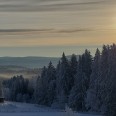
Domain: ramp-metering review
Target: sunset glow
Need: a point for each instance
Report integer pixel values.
(71, 23)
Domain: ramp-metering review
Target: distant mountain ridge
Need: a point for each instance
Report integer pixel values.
(30, 61)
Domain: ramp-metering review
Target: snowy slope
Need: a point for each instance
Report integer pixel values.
(42, 114)
(23, 109)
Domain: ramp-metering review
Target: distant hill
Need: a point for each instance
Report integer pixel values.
(29, 62)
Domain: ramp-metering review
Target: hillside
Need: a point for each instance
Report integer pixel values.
(11, 70)
(29, 62)
(26, 66)
(23, 109)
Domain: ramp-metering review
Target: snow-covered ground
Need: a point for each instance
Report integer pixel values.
(23, 109)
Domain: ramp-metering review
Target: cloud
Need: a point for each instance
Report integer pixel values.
(40, 31)
(23, 30)
(50, 31)
(46, 5)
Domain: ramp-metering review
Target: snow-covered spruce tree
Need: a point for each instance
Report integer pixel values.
(46, 86)
(103, 78)
(41, 88)
(17, 88)
(59, 101)
(51, 75)
(73, 68)
(92, 101)
(78, 93)
(64, 80)
(101, 93)
(86, 67)
(111, 101)
(111, 83)
(58, 87)
(76, 98)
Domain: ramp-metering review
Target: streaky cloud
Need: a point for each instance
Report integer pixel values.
(34, 5)
(39, 31)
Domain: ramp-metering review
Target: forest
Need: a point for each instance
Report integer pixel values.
(86, 84)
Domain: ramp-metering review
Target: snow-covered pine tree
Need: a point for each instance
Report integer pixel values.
(41, 88)
(51, 77)
(46, 86)
(92, 101)
(102, 96)
(60, 97)
(103, 77)
(64, 84)
(17, 87)
(111, 83)
(1, 93)
(76, 98)
(82, 78)
(73, 68)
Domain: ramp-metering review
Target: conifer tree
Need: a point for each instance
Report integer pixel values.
(92, 96)
(63, 80)
(82, 79)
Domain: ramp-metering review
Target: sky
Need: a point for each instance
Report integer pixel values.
(51, 27)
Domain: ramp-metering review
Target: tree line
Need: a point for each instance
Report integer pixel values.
(85, 84)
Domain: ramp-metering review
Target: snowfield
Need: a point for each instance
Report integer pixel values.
(24, 109)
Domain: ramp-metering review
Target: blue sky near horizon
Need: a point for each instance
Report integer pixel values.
(47, 50)
(49, 27)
